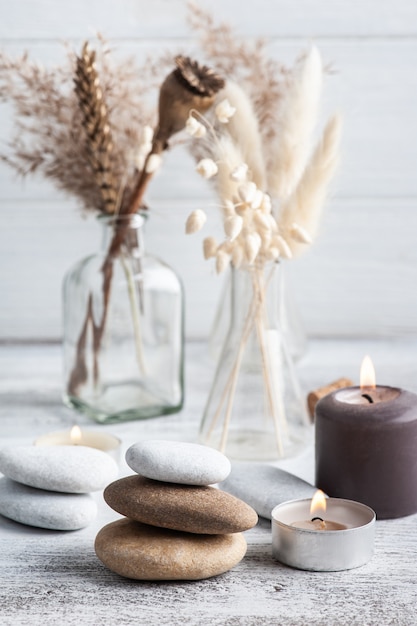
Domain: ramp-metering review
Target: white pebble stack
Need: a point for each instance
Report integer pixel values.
(50, 487)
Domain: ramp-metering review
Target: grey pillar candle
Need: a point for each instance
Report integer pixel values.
(366, 448)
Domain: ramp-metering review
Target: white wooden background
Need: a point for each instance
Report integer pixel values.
(359, 279)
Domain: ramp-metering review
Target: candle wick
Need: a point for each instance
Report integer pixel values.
(368, 397)
(319, 519)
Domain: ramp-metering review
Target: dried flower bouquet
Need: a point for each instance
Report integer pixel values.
(86, 128)
(271, 187)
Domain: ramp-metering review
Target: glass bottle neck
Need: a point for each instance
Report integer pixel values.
(128, 227)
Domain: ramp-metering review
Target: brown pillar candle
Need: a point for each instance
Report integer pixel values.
(366, 448)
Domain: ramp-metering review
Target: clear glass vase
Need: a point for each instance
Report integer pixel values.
(290, 321)
(123, 335)
(255, 409)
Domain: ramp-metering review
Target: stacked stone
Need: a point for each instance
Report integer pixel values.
(264, 486)
(50, 487)
(176, 526)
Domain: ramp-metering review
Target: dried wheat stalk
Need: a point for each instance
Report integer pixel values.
(47, 133)
(95, 121)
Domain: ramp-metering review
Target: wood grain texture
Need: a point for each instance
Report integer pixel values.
(51, 577)
(61, 579)
(357, 279)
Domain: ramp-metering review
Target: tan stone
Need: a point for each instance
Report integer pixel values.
(204, 510)
(144, 552)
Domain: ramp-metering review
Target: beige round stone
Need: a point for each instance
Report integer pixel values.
(202, 510)
(144, 552)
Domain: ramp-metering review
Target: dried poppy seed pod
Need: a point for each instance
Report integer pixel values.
(189, 86)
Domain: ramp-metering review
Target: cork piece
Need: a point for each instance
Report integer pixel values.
(143, 552)
(314, 396)
(202, 510)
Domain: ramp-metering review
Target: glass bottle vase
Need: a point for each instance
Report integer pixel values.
(289, 317)
(123, 335)
(255, 409)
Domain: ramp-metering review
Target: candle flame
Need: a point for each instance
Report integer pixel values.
(75, 435)
(367, 375)
(318, 504)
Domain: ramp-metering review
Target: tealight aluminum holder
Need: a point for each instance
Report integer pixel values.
(323, 550)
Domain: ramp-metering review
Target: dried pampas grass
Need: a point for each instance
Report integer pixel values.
(248, 140)
(296, 121)
(272, 132)
(304, 206)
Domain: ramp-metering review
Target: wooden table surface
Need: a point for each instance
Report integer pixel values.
(51, 577)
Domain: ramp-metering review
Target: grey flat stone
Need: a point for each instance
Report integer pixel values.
(69, 469)
(45, 509)
(265, 486)
(178, 462)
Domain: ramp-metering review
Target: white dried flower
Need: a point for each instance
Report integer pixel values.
(226, 246)
(257, 199)
(239, 173)
(194, 127)
(272, 253)
(233, 226)
(138, 157)
(299, 234)
(247, 192)
(266, 237)
(209, 247)
(153, 163)
(206, 168)
(147, 134)
(262, 221)
(224, 111)
(266, 205)
(241, 209)
(229, 208)
(237, 255)
(253, 244)
(222, 261)
(283, 247)
(272, 223)
(195, 221)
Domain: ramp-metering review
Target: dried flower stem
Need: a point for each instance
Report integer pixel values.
(79, 373)
(277, 412)
(189, 86)
(254, 319)
(134, 306)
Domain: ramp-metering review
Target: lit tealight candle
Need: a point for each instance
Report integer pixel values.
(317, 513)
(366, 442)
(333, 534)
(77, 437)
